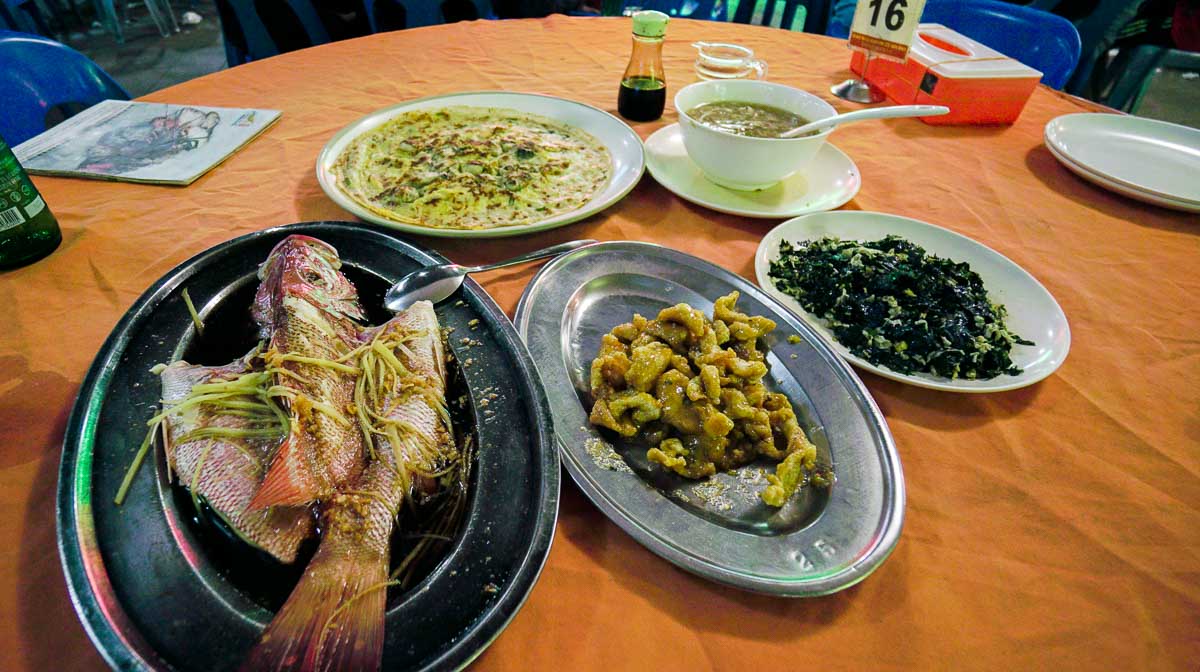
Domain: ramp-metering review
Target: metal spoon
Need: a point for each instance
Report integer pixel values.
(435, 283)
(876, 113)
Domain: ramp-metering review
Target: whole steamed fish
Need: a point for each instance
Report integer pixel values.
(219, 434)
(334, 618)
(306, 311)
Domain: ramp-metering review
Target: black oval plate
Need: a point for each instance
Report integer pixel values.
(152, 594)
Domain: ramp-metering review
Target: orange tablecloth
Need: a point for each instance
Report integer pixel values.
(1055, 527)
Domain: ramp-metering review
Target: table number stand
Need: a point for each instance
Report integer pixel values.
(880, 29)
(859, 90)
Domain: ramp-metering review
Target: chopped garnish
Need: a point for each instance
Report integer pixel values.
(893, 304)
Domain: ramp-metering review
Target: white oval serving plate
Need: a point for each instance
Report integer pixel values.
(1147, 155)
(1032, 311)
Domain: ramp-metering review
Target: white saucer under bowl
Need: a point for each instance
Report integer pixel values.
(829, 182)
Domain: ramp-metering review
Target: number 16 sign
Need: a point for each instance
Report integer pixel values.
(885, 27)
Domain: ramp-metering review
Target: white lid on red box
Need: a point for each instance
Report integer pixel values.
(948, 53)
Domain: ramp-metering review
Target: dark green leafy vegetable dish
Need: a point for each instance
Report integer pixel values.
(893, 304)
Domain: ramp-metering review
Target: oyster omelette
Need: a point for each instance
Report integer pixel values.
(466, 167)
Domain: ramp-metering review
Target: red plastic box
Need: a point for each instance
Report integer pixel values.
(979, 84)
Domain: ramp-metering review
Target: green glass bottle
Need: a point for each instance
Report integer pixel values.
(28, 231)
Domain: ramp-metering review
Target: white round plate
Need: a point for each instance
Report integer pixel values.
(624, 149)
(1125, 190)
(830, 181)
(1032, 311)
(1145, 154)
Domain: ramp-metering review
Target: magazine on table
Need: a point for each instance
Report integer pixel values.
(156, 143)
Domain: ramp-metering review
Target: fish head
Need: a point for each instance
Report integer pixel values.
(305, 268)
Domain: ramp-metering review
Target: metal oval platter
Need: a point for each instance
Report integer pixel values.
(819, 542)
(156, 589)
(624, 149)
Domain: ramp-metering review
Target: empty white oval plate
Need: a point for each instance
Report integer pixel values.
(1032, 311)
(1124, 189)
(1146, 154)
(624, 150)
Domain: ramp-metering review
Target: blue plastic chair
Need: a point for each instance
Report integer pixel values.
(841, 14)
(485, 9)
(416, 13)
(1135, 69)
(812, 18)
(385, 15)
(24, 16)
(38, 74)
(1037, 38)
(708, 10)
(249, 38)
(1100, 26)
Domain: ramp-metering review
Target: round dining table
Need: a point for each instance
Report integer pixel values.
(1051, 527)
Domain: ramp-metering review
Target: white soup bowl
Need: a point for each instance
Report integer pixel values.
(741, 162)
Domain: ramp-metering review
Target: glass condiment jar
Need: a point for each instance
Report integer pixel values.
(28, 231)
(722, 60)
(644, 85)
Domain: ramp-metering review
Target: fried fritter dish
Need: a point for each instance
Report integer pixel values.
(691, 389)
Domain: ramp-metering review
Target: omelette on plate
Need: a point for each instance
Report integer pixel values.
(472, 168)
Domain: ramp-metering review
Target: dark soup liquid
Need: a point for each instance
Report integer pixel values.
(750, 119)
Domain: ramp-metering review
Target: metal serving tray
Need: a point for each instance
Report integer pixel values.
(819, 542)
(153, 591)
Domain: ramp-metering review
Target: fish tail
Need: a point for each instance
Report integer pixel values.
(333, 620)
(283, 485)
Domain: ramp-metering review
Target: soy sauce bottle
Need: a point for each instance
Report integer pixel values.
(644, 86)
